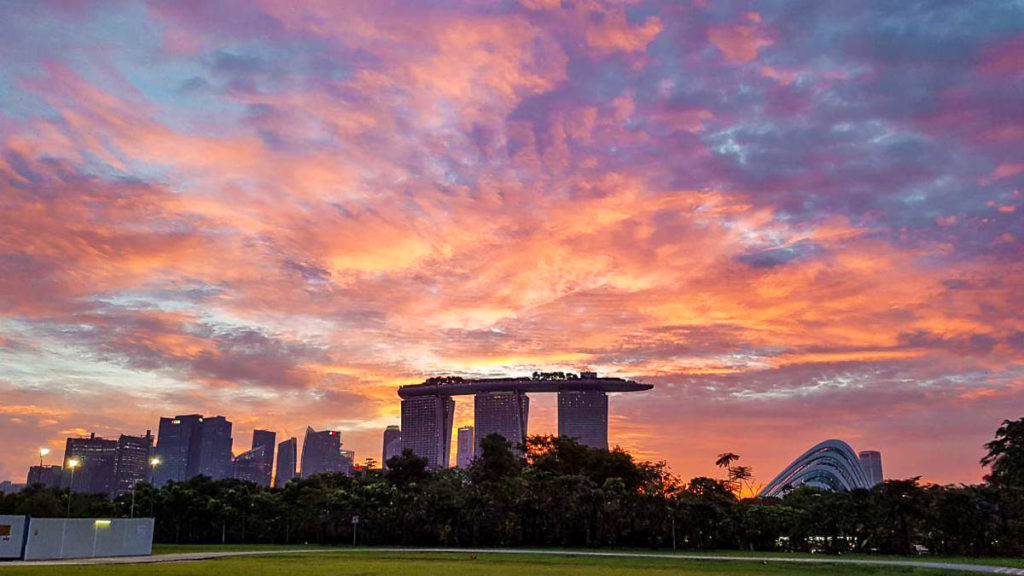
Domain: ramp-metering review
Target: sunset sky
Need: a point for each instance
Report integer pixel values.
(799, 220)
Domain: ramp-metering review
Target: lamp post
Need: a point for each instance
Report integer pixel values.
(42, 452)
(153, 463)
(72, 464)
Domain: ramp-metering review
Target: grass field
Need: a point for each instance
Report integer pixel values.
(369, 563)
(1011, 562)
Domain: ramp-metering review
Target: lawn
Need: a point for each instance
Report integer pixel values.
(994, 561)
(369, 563)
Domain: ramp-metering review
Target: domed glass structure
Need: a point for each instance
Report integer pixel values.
(830, 465)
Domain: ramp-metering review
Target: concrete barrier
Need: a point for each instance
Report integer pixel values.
(57, 538)
(12, 536)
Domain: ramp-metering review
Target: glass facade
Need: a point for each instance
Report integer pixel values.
(287, 457)
(132, 461)
(583, 415)
(210, 449)
(96, 460)
(265, 439)
(427, 428)
(506, 413)
(392, 444)
(172, 447)
(466, 448)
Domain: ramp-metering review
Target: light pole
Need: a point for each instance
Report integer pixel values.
(72, 464)
(153, 463)
(42, 452)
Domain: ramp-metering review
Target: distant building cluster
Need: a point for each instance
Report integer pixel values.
(190, 445)
(187, 446)
(830, 465)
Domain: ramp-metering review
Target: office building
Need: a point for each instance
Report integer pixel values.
(465, 447)
(48, 476)
(267, 439)
(95, 472)
(250, 466)
(871, 463)
(8, 487)
(287, 457)
(348, 461)
(210, 449)
(174, 439)
(427, 427)
(583, 415)
(392, 445)
(321, 453)
(503, 412)
(132, 464)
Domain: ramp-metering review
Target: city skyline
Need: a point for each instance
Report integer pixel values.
(797, 220)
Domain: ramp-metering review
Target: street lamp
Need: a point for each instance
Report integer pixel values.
(42, 452)
(72, 464)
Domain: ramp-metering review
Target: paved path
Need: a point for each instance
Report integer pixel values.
(197, 556)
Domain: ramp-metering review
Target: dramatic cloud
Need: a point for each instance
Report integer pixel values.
(799, 220)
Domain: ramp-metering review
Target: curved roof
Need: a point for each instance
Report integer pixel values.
(462, 387)
(830, 465)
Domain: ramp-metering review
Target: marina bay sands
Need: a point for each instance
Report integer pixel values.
(501, 406)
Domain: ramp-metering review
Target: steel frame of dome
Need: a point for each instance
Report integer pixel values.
(831, 465)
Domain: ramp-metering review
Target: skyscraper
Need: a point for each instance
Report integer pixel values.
(172, 447)
(96, 460)
(250, 466)
(321, 452)
(466, 448)
(504, 412)
(267, 439)
(427, 427)
(583, 415)
(48, 476)
(132, 461)
(871, 464)
(287, 456)
(348, 461)
(210, 449)
(392, 444)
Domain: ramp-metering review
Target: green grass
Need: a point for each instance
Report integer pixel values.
(368, 563)
(993, 561)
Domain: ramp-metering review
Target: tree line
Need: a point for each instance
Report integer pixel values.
(553, 491)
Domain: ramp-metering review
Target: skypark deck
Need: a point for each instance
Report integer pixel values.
(457, 387)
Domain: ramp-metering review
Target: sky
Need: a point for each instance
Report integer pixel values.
(798, 220)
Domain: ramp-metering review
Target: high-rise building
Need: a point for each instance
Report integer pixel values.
(583, 415)
(210, 449)
(173, 444)
(132, 463)
(392, 444)
(502, 407)
(96, 459)
(287, 456)
(348, 461)
(321, 453)
(466, 447)
(250, 466)
(427, 427)
(871, 464)
(48, 476)
(267, 439)
(504, 412)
